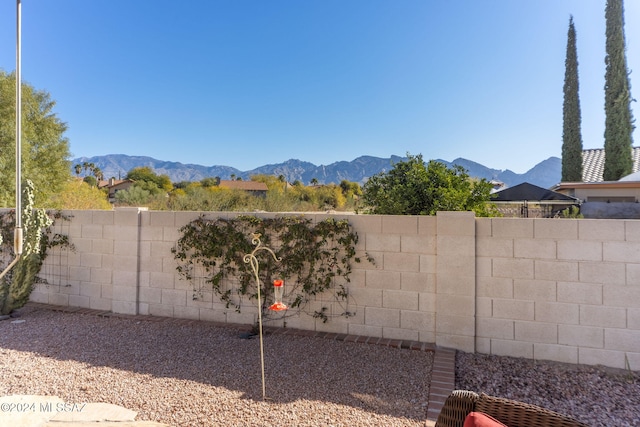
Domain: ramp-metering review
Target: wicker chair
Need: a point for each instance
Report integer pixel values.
(509, 412)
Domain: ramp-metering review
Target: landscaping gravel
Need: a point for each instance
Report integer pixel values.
(196, 374)
(184, 373)
(596, 396)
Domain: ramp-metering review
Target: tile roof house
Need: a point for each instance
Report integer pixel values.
(593, 163)
(594, 189)
(256, 188)
(603, 191)
(605, 199)
(115, 185)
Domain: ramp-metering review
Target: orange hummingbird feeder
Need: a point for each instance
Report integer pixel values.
(278, 292)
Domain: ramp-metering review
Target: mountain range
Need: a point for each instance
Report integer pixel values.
(545, 174)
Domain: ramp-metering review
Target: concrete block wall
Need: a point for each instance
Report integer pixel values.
(102, 271)
(123, 263)
(455, 280)
(565, 290)
(396, 296)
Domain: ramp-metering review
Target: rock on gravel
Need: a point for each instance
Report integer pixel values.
(197, 374)
(595, 395)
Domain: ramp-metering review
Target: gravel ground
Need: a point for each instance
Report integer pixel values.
(594, 395)
(196, 374)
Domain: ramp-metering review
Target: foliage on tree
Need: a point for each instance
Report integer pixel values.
(206, 195)
(98, 174)
(314, 258)
(412, 187)
(148, 186)
(76, 194)
(571, 131)
(352, 192)
(181, 185)
(134, 196)
(619, 126)
(45, 150)
(330, 197)
(145, 178)
(90, 181)
(280, 197)
(273, 183)
(317, 197)
(198, 198)
(209, 182)
(350, 189)
(149, 189)
(17, 284)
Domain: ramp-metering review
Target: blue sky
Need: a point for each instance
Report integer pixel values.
(245, 83)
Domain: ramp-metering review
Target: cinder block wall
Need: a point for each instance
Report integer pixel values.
(123, 263)
(564, 290)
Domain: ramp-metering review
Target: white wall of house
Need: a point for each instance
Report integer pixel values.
(612, 194)
(555, 289)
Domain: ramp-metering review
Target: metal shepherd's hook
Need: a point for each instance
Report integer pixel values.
(17, 234)
(253, 261)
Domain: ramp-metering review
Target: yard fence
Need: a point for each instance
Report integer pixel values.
(566, 290)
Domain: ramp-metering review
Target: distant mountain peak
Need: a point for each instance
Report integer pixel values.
(545, 174)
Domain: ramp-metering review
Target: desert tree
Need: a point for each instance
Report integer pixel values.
(97, 172)
(45, 149)
(617, 105)
(76, 194)
(412, 187)
(147, 179)
(571, 117)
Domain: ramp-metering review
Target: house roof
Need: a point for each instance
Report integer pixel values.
(113, 182)
(593, 163)
(526, 191)
(600, 185)
(633, 177)
(243, 185)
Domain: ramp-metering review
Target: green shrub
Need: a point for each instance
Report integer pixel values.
(313, 259)
(16, 285)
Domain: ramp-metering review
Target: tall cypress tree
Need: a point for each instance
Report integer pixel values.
(571, 134)
(617, 103)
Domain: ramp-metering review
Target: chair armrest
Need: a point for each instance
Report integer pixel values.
(520, 414)
(456, 408)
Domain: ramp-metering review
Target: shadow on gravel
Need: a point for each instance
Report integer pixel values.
(377, 379)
